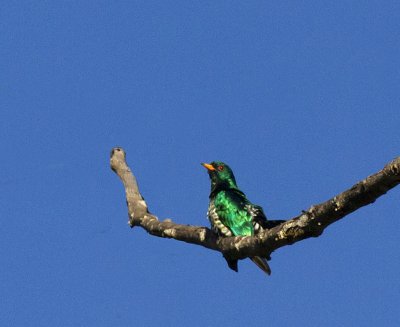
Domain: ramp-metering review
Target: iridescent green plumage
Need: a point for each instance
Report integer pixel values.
(231, 209)
(231, 213)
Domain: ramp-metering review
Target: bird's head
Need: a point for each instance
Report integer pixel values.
(221, 175)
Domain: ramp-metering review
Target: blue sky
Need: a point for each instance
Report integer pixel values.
(300, 98)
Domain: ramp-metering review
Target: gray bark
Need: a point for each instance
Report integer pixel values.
(310, 223)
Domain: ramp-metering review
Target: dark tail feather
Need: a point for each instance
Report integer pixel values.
(232, 263)
(262, 264)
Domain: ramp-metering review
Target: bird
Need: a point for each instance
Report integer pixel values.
(231, 213)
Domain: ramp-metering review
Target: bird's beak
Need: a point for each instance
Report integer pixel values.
(208, 166)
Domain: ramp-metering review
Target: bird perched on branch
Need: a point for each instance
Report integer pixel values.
(231, 213)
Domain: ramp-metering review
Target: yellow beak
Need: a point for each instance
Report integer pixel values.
(208, 166)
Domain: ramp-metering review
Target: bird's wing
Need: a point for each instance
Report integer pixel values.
(231, 212)
(215, 221)
(258, 216)
(260, 221)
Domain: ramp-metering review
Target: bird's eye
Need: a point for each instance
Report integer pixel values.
(220, 168)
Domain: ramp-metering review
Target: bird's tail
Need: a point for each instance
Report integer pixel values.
(262, 264)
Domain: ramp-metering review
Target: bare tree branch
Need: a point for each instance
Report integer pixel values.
(310, 223)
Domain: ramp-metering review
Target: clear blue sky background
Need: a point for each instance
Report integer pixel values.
(300, 98)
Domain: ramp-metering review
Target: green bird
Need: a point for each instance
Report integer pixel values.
(231, 213)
